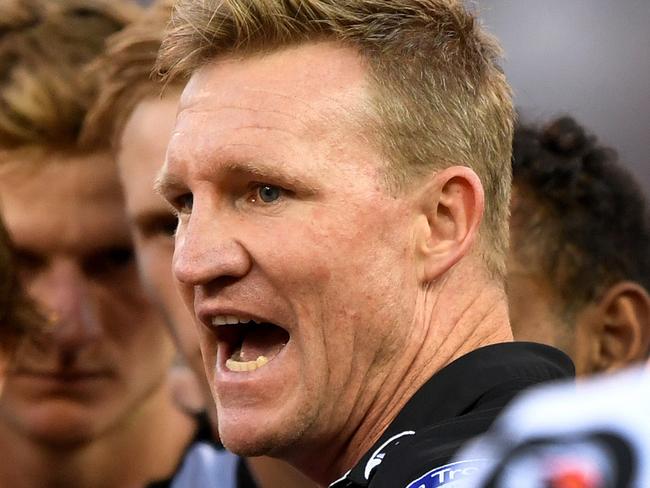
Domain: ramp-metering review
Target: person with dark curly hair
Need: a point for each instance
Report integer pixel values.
(579, 268)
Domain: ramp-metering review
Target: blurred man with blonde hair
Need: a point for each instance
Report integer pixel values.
(87, 403)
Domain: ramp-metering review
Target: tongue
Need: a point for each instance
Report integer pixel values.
(263, 340)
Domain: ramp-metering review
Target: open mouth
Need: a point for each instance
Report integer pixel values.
(249, 345)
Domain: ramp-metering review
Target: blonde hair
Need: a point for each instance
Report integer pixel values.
(125, 74)
(15, 14)
(439, 95)
(44, 91)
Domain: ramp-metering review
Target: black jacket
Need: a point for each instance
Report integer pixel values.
(458, 403)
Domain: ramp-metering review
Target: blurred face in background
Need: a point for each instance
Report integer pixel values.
(104, 352)
(140, 156)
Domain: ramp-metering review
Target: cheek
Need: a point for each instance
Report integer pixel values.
(148, 350)
(159, 279)
(129, 312)
(184, 290)
(207, 346)
(344, 270)
(342, 250)
(154, 261)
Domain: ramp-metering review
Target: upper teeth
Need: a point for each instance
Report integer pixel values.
(231, 320)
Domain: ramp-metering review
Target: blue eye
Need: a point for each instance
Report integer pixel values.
(269, 193)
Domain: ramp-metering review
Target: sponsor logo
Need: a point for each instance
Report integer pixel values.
(454, 475)
(378, 456)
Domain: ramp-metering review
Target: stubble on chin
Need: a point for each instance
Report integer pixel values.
(285, 441)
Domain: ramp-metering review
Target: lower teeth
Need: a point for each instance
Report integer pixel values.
(240, 366)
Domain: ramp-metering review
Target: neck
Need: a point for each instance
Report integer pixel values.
(453, 317)
(269, 473)
(144, 447)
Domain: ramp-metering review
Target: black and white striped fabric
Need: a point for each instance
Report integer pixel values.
(593, 435)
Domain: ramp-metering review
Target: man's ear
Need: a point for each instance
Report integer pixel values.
(617, 329)
(451, 207)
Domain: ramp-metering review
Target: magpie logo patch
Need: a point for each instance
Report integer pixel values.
(454, 475)
(378, 456)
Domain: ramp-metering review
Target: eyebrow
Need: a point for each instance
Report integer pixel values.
(268, 174)
(166, 182)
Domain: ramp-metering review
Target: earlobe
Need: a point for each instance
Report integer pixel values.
(451, 205)
(622, 333)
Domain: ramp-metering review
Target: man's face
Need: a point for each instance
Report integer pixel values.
(105, 352)
(142, 152)
(284, 219)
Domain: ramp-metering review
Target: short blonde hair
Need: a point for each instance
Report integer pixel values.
(44, 91)
(439, 95)
(125, 73)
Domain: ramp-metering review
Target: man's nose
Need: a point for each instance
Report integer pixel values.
(207, 250)
(67, 296)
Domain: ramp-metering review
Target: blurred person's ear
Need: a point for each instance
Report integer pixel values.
(614, 332)
(451, 203)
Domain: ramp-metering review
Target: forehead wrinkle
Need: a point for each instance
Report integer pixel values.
(241, 106)
(213, 148)
(329, 116)
(215, 139)
(339, 108)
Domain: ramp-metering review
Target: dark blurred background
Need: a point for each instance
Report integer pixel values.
(587, 58)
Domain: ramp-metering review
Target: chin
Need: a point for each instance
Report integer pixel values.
(64, 435)
(248, 448)
(60, 439)
(257, 437)
(62, 426)
(247, 440)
